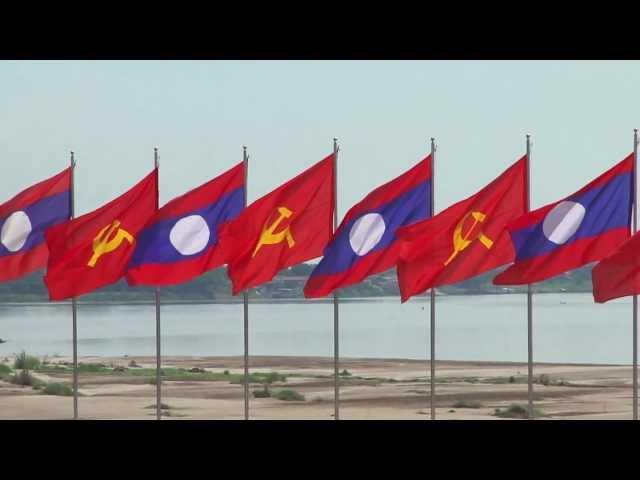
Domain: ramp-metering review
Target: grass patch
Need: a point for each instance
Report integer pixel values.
(168, 374)
(53, 388)
(289, 396)
(92, 368)
(257, 377)
(467, 404)
(26, 362)
(5, 369)
(182, 374)
(95, 368)
(517, 411)
(54, 369)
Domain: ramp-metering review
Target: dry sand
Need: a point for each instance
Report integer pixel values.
(376, 389)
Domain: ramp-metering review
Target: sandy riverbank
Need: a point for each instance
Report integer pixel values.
(373, 389)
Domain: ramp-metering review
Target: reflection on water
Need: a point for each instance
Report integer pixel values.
(567, 328)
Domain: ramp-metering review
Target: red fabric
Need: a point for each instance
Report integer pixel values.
(537, 215)
(321, 285)
(51, 186)
(310, 198)
(22, 263)
(428, 245)
(71, 244)
(575, 255)
(183, 270)
(618, 275)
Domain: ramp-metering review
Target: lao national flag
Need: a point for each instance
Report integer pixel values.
(365, 243)
(23, 221)
(584, 227)
(181, 242)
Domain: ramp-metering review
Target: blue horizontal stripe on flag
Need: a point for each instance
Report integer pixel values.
(153, 244)
(607, 207)
(410, 207)
(42, 214)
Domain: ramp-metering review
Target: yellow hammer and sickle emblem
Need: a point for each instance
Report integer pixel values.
(102, 244)
(267, 237)
(460, 242)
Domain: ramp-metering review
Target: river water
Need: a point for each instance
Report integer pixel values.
(567, 328)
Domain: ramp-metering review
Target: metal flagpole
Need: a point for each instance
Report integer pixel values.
(74, 307)
(635, 297)
(157, 295)
(433, 296)
(529, 297)
(245, 298)
(336, 331)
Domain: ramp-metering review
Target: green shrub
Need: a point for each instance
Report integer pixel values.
(26, 362)
(226, 372)
(289, 395)
(5, 369)
(93, 368)
(54, 369)
(512, 379)
(467, 404)
(53, 388)
(345, 373)
(271, 377)
(264, 393)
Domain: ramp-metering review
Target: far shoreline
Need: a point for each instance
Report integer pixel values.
(277, 301)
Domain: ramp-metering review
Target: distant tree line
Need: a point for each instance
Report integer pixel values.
(215, 286)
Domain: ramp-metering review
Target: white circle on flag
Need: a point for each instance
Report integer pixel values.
(15, 231)
(190, 235)
(366, 232)
(562, 221)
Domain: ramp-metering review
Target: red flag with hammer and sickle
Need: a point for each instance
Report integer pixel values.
(288, 226)
(466, 239)
(93, 250)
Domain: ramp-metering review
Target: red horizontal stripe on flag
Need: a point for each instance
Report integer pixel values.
(15, 265)
(578, 253)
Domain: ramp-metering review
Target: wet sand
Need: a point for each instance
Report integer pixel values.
(373, 389)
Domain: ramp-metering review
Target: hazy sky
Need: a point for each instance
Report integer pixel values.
(581, 115)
